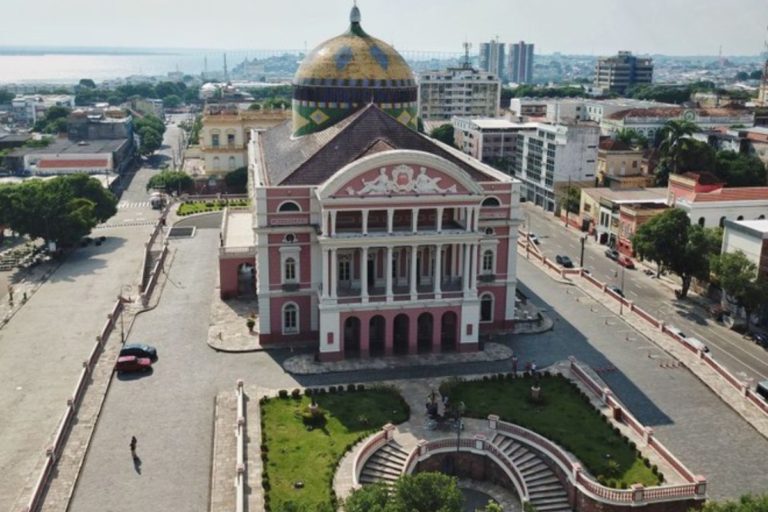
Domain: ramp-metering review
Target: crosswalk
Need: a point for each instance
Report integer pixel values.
(127, 224)
(122, 205)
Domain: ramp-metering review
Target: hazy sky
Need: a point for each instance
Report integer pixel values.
(673, 27)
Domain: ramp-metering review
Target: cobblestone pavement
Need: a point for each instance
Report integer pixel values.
(228, 330)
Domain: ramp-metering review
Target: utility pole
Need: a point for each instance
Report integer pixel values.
(583, 242)
(621, 301)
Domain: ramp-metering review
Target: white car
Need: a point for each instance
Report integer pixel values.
(533, 238)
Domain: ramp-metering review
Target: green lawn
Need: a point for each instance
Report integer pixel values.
(297, 453)
(188, 208)
(564, 416)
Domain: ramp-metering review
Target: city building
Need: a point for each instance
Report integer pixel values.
(63, 156)
(492, 58)
(648, 121)
(566, 110)
(225, 134)
(460, 91)
(631, 217)
(527, 109)
(620, 72)
(109, 123)
(600, 210)
(749, 237)
(28, 109)
(709, 203)
(762, 94)
(149, 106)
(520, 63)
(492, 141)
(620, 166)
(367, 236)
(755, 142)
(549, 158)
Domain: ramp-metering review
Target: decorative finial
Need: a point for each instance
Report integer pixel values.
(354, 16)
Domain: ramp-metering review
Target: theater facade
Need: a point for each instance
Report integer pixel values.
(367, 236)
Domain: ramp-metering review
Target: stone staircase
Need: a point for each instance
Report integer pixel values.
(385, 465)
(545, 491)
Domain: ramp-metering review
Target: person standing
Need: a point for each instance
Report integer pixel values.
(514, 366)
(133, 446)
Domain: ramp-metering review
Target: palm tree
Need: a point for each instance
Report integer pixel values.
(675, 136)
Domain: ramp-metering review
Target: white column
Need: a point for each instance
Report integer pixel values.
(414, 253)
(334, 272)
(333, 223)
(390, 216)
(468, 218)
(477, 218)
(364, 274)
(415, 220)
(475, 265)
(388, 272)
(365, 222)
(440, 219)
(326, 280)
(465, 273)
(438, 269)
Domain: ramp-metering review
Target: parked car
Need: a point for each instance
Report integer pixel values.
(696, 343)
(626, 261)
(616, 290)
(675, 330)
(133, 364)
(612, 254)
(139, 350)
(533, 238)
(564, 261)
(762, 389)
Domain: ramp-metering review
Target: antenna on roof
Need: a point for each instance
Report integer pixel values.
(467, 46)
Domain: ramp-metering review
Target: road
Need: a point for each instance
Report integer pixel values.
(743, 357)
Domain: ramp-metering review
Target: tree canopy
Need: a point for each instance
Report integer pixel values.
(62, 209)
(738, 277)
(747, 503)
(6, 96)
(669, 240)
(171, 181)
(54, 121)
(150, 130)
(237, 180)
(444, 133)
(422, 492)
(740, 170)
(87, 82)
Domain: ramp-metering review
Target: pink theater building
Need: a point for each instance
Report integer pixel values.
(373, 239)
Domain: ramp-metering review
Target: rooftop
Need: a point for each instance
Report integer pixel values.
(732, 194)
(239, 231)
(676, 112)
(758, 228)
(68, 147)
(634, 195)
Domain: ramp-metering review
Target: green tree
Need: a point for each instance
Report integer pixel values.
(87, 82)
(237, 180)
(150, 130)
(747, 503)
(739, 170)
(54, 121)
(422, 492)
(171, 181)
(632, 138)
(6, 96)
(675, 136)
(172, 101)
(756, 75)
(696, 155)
(571, 199)
(104, 201)
(738, 277)
(444, 133)
(669, 240)
(254, 106)
(277, 103)
(492, 506)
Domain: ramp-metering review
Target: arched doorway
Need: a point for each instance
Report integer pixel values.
(352, 337)
(448, 331)
(400, 334)
(246, 280)
(424, 328)
(376, 334)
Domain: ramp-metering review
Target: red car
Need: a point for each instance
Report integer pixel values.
(626, 261)
(133, 364)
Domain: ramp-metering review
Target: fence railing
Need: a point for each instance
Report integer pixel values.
(240, 467)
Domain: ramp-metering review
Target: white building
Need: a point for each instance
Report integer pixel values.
(27, 110)
(458, 92)
(567, 110)
(489, 140)
(749, 237)
(548, 157)
(648, 121)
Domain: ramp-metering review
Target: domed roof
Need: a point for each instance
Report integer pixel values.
(356, 56)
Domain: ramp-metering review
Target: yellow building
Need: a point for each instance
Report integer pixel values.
(619, 166)
(226, 132)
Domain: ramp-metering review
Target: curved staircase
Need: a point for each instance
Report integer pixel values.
(545, 491)
(385, 465)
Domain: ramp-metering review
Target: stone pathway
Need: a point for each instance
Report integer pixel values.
(228, 331)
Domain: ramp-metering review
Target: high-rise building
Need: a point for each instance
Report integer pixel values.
(620, 72)
(520, 64)
(762, 95)
(460, 91)
(492, 58)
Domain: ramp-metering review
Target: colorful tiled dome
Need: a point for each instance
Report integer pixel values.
(350, 71)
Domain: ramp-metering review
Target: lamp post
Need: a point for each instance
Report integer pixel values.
(458, 411)
(583, 242)
(621, 299)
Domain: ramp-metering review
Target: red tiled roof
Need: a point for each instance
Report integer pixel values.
(704, 178)
(733, 194)
(613, 145)
(72, 164)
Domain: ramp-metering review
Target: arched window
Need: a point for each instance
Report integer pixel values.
(702, 220)
(488, 262)
(722, 222)
(489, 231)
(289, 206)
(289, 270)
(231, 163)
(486, 307)
(289, 238)
(491, 201)
(290, 318)
(216, 163)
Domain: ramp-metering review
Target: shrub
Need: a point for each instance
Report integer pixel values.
(296, 394)
(632, 446)
(624, 485)
(655, 469)
(361, 387)
(307, 391)
(283, 393)
(313, 418)
(350, 387)
(332, 389)
(264, 448)
(646, 462)
(265, 482)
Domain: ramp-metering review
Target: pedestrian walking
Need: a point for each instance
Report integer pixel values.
(133, 446)
(514, 366)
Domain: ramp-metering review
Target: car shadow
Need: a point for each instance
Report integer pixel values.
(129, 376)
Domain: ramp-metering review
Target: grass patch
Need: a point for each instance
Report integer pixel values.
(565, 416)
(190, 207)
(296, 452)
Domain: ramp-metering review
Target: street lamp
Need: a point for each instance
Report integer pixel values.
(583, 241)
(621, 299)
